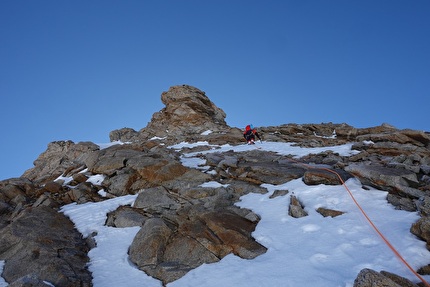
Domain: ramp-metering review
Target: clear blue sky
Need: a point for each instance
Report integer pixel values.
(76, 70)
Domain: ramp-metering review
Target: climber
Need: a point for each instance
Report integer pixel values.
(250, 133)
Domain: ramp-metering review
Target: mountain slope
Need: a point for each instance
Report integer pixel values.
(185, 191)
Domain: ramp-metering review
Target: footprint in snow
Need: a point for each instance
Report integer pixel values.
(310, 228)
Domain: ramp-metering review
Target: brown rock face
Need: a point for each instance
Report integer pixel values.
(44, 243)
(168, 253)
(188, 107)
(188, 112)
(60, 156)
(370, 278)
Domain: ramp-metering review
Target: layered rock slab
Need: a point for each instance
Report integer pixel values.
(43, 244)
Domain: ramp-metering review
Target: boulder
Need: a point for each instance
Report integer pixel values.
(53, 187)
(52, 249)
(234, 231)
(371, 278)
(156, 200)
(147, 248)
(126, 216)
(109, 160)
(123, 182)
(31, 280)
(329, 212)
(183, 254)
(84, 192)
(322, 176)
(389, 179)
(296, 209)
(402, 203)
(167, 250)
(421, 229)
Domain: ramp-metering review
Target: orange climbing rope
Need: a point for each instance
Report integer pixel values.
(368, 219)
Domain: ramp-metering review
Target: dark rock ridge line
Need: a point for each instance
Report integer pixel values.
(183, 224)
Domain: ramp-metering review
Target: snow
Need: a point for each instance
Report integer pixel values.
(106, 145)
(213, 184)
(157, 138)
(205, 133)
(3, 283)
(95, 179)
(308, 251)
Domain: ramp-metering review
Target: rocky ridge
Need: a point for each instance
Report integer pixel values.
(176, 215)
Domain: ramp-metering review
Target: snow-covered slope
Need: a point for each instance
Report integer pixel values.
(308, 251)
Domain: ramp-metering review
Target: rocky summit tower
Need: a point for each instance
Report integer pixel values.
(188, 112)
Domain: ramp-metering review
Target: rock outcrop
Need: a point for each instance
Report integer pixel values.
(182, 223)
(188, 113)
(371, 278)
(43, 244)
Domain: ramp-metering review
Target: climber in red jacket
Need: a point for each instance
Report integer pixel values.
(250, 133)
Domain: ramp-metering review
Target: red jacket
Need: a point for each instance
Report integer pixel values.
(248, 131)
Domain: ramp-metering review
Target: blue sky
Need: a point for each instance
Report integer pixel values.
(76, 70)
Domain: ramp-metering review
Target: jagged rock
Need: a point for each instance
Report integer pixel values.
(156, 200)
(389, 179)
(234, 231)
(426, 170)
(421, 229)
(162, 171)
(150, 243)
(130, 168)
(74, 170)
(59, 156)
(321, 176)
(53, 187)
(16, 186)
(124, 135)
(31, 280)
(325, 158)
(52, 249)
(168, 253)
(371, 278)
(45, 200)
(188, 179)
(329, 212)
(423, 206)
(84, 192)
(402, 203)
(296, 208)
(126, 216)
(399, 280)
(259, 167)
(346, 131)
(109, 160)
(277, 193)
(188, 112)
(4, 207)
(416, 138)
(123, 182)
(182, 254)
(13, 193)
(228, 161)
(78, 178)
(424, 270)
